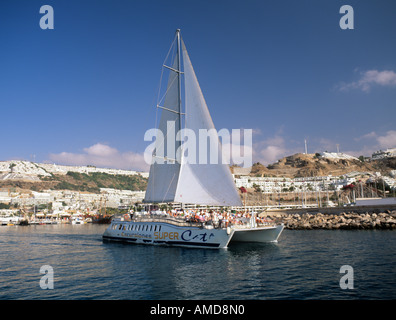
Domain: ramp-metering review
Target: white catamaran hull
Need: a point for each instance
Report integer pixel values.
(160, 233)
(260, 234)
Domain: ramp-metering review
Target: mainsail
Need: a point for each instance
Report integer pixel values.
(165, 168)
(183, 180)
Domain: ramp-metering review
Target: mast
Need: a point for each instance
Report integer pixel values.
(180, 99)
(179, 68)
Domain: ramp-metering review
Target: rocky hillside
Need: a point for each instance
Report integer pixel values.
(308, 165)
(88, 182)
(38, 177)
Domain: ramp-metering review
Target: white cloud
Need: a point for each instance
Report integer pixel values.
(375, 142)
(102, 155)
(370, 135)
(239, 154)
(370, 78)
(265, 151)
(270, 150)
(364, 151)
(101, 150)
(388, 140)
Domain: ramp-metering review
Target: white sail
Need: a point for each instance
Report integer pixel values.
(172, 179)
(210, 183)
(164, 169)
(175, 176)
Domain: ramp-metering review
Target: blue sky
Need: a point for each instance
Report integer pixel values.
(85, 92)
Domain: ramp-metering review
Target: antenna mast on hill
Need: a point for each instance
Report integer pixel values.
(306, 149)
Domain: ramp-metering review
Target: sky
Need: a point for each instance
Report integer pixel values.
(85, 91)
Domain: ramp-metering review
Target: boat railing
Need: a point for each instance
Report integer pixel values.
(179, 221)
(250, 226)
(187, 222)
(167, 219)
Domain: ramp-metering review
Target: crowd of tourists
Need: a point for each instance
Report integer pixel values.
(221, 217)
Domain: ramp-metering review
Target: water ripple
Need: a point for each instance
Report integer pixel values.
(302, 265)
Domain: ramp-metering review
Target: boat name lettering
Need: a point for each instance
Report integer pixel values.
(135, 235)
(166, 235)
(187, 236)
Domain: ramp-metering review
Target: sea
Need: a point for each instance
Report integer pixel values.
(71, 262)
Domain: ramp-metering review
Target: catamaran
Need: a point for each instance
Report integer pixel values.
(175, 179)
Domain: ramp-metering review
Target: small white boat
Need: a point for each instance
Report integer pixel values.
(11, 221)
(174, 179)
(78, 220)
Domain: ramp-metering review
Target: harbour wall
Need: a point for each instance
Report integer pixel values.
(334, 210)
(347, 218)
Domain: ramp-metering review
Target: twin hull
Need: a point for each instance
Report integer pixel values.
(160, 233)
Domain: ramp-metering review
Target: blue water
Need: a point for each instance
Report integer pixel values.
(302, 265)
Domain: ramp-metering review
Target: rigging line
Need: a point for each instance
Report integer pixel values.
(158, 106)
(167, 109)
(158, 102)
(167, 89)
(152, 158)
(169, 187)
(172, 69)
(156, 112)
(162, 74)
(172, 45)
(182, 138)
(157, 126)
(159, 87)
(166, 158)
(160, 143)
(166, 58)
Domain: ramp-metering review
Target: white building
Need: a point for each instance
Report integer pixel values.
(390, 182)
(338, 156)
(280, 184)
(45, 169)
(60, 169)
(5, 197)
(382, 154)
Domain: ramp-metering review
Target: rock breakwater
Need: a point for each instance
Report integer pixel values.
(344, 220)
